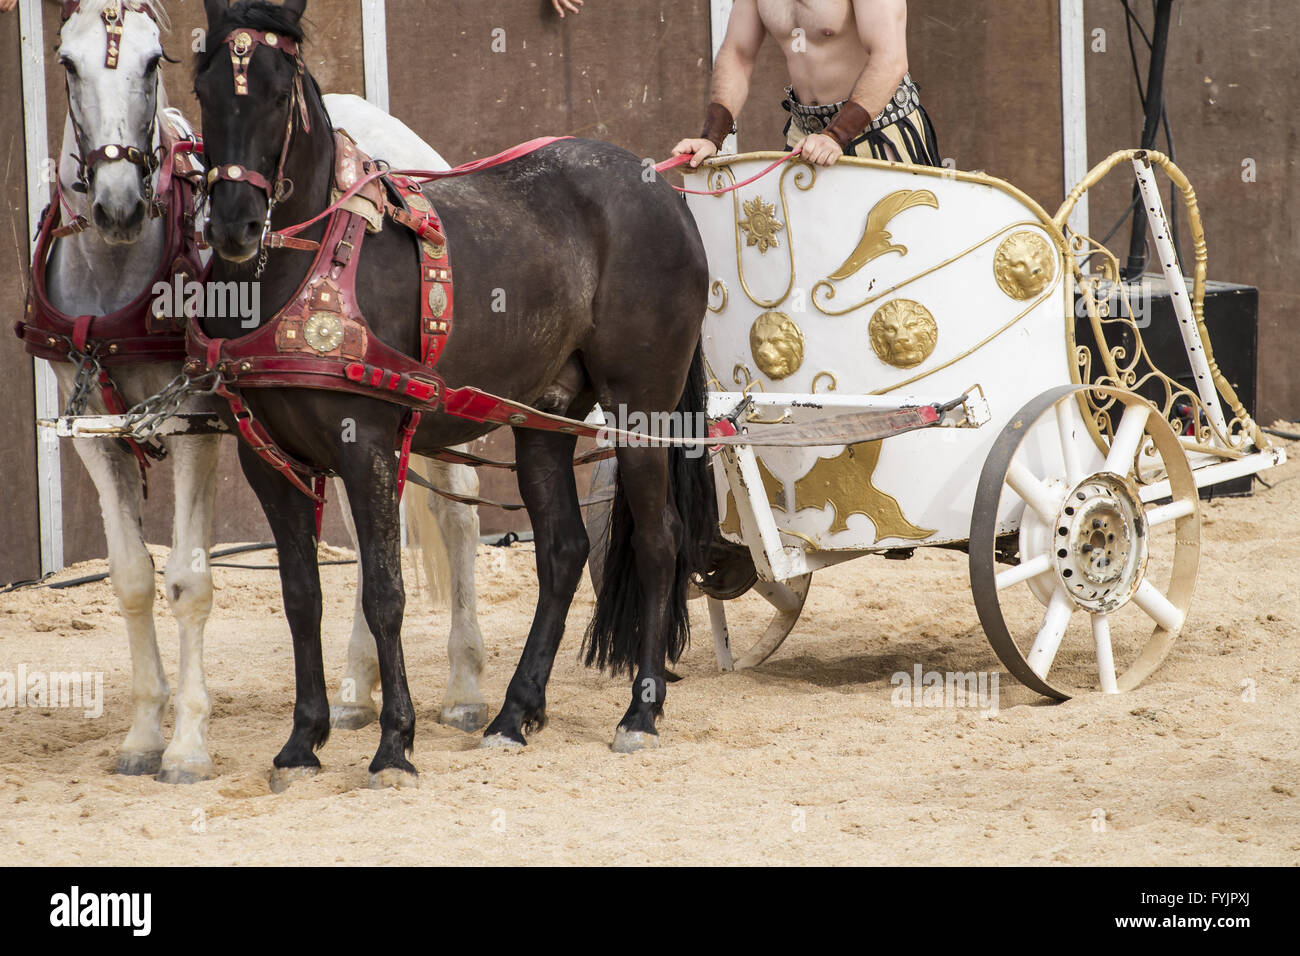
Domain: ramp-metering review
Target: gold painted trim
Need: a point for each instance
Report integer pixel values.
(818, 377)
(719, 288)
(717, 181)
(1046, 294)
(830, 294)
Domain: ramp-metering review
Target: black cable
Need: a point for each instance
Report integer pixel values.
(91, 578)
(1130, 21)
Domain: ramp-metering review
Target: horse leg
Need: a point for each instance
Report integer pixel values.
(548, 488)
(463, 705)
(187, 583)
(371, 477)
(353, 707)
(292, 517)
(130, 568)
(656, 534)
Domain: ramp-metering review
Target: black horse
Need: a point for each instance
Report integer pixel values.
(603, 279)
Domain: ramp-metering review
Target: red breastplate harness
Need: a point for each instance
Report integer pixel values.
(320, 339)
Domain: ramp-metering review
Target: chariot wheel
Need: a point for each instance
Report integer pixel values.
(1106, 550)
(785, 600)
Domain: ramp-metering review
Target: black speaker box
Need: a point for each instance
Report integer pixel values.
(1232, 320)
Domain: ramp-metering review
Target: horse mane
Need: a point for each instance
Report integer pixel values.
(255, 14)
(94, 8)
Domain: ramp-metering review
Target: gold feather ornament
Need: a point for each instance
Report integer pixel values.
(876, 240)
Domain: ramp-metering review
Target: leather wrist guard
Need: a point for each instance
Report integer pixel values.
(718, 124)
(848, 124)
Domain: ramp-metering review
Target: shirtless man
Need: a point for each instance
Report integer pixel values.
(850, 92)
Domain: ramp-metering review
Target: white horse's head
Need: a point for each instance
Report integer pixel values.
(110, 50)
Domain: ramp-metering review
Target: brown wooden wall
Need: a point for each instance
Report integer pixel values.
(636, 72)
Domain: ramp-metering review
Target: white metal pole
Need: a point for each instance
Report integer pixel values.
(49, 479)
(374, 43)
(1173, 271)
(1074, 113)
(720, 13)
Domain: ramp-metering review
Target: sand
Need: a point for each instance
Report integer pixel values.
(805, 759)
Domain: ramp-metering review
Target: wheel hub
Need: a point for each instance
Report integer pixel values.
(1099, 544)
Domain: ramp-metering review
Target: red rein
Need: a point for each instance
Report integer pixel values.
(514, 152)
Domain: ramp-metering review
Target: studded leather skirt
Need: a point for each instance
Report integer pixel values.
(902, 132)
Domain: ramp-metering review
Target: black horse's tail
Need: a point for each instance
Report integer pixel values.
(614, 636)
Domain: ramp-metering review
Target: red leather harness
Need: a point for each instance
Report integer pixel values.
(136, 333)
(321, 340)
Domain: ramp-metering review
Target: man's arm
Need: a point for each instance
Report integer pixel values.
(882, 30)
(732, 71)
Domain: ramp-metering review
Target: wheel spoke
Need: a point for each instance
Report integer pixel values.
(1050, 634)
(1162, 514)
(1069, 448)
(1024, 571)
(1035, 494)
(1128, 436)
(1105, 656)
(1158, 607)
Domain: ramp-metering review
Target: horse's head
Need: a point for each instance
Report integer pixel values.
(250, 83)
(110, 50)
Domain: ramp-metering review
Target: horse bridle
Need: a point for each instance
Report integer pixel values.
(243, 43)
(147, 160)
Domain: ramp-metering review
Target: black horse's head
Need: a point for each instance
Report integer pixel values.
(249, 82)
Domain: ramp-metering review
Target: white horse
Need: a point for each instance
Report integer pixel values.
(101, 269)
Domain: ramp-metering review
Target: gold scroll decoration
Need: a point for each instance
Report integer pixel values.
(776, 342)
(844, 483)
(876, 240)
(773, 487)
(760, 224)
(903, 333)
(1023, 265)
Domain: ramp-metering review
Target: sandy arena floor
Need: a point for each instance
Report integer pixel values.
(802, 760)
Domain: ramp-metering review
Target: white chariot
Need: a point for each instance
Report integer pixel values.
(1071, 474)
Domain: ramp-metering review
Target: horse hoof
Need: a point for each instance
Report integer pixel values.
(139, 764)
(630, 741)
(394, 777)
(498, 742)
(186, 773)
(352, 716)
(466, 717)
(284, 777)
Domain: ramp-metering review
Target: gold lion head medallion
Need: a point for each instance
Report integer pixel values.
(903, 333)
(1023, 265)
(776, 342)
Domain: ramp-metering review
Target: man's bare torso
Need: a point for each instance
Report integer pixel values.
(821, 44)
